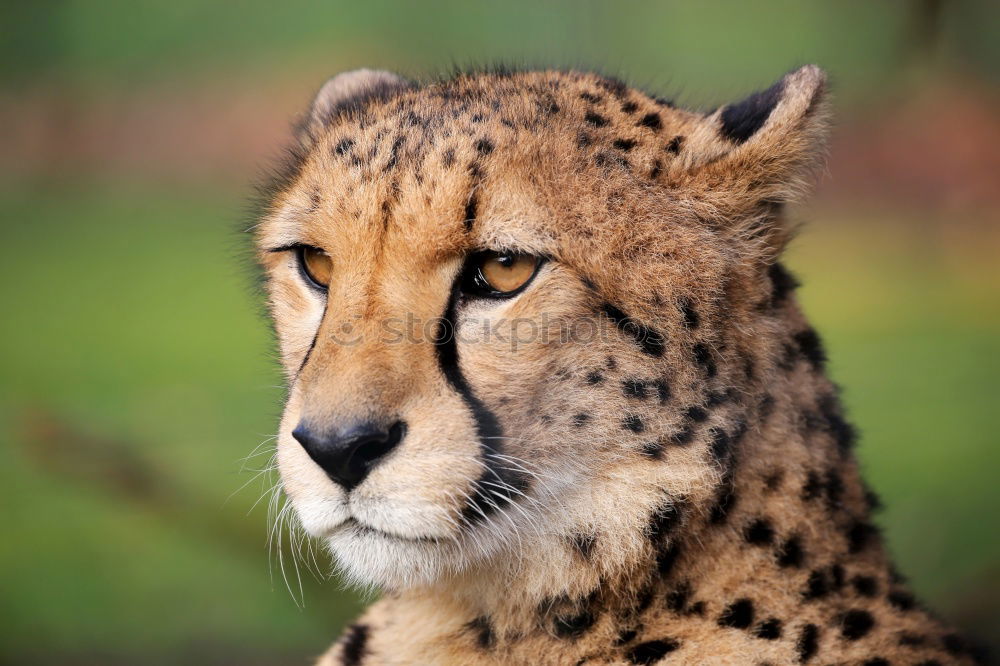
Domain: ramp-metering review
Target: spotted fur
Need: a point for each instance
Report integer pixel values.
(679, 487)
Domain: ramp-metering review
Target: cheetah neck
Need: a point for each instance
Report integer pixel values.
(789, 515)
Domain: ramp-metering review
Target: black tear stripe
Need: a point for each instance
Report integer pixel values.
(651, 341)
(498, 483)
(312, 344)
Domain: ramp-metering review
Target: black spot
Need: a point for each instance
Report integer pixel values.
(790, 554)
(769, 629)
(723, 505)
(583, 140)
(657, 169)
(773, 480)
(721, 444)
(448, 160)
(678, 597)
(813, 486)
(876, 661)
(662, 391)
(740, 121)
(394, 153)
(696, 414)
(652, 651)
(866, 586)
(811, 347)
(607, 160)
(912, 640)
(584, 544)
(716, 398)
(860, 535)
(843, 432)
(634, 423)
(930, 662)
(954, 644)
(573, 626)
(663, 521)
(590, 97)
(651, 341)
(625, 636)
(613, 86)
(683, 436)
(635, 388)
(483, 631)
(652, 449)
(666, 558)
(343, 146)
(782, 284)
(836, 577)
(580, 419)
(817, 586)
(697, 608)
(808, 643)
(759, 532)
(652, 121)
(675, 145)
(624, 144)
(595, 119)
(703, 357)
(902, 600)
(595, 378)
(484, 146)
(355, 645)
(834, 487)
(629, 107)
(856, 623)
(689, 314)
(738, 615)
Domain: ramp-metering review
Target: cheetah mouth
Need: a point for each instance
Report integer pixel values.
(356, 528)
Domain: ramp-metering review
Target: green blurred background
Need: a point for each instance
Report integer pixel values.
(136, 370)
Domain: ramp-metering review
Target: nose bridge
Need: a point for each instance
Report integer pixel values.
(370, 349)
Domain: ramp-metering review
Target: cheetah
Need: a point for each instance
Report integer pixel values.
(549, 387)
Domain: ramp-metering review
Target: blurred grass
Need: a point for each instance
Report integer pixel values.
(137, 372)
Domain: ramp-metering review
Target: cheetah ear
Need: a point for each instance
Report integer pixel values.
(345, 92)
(745, 160)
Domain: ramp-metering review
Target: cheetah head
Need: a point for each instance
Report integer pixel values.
(515, 310)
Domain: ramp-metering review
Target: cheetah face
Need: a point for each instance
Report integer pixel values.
(505, 313)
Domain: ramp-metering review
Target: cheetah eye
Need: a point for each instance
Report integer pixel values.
(498, 274)
(316, 265)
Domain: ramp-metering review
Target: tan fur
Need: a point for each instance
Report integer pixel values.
(645, 467)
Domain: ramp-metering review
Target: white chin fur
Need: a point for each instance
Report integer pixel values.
(369, 558)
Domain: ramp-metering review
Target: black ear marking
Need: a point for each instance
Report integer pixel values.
(742, 120)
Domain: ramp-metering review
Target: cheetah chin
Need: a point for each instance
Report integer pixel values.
(549, 386)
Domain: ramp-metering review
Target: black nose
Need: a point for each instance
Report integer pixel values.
(348, 455)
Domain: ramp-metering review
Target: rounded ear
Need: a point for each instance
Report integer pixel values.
(745, 160)
(344, 92)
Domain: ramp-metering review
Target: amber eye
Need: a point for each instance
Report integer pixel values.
(316, 264)
(499, 274)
